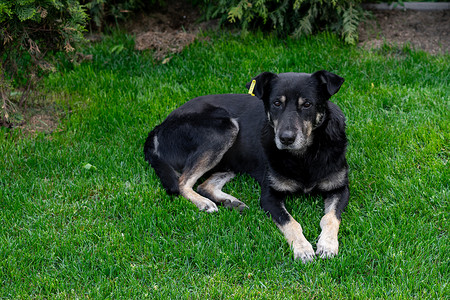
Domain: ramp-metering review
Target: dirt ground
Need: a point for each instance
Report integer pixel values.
(169, 31)
(425, 30)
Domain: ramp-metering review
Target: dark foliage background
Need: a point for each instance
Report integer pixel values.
(31, 31)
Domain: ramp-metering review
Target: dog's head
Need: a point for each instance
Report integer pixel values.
(295, 104)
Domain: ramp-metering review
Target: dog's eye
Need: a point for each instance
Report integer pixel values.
(277, 103)
(307, 104)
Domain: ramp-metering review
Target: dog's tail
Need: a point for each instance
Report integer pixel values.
(149, 146)
(168, 176)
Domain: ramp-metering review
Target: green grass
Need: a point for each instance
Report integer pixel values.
(111, 231)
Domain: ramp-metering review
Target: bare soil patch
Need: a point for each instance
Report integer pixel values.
(424, 30)
(41, 120)
(168, 31)
(39, 113)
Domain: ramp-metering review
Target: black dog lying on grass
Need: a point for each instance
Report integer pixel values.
(289, 137)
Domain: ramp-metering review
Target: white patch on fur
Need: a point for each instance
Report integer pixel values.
(283, 99)
(333, 181)
(236, 124)
(155, 145)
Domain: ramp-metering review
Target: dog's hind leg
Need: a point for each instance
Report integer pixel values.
(187, 181)
(212, 189)
(206, 157)
(200, 166)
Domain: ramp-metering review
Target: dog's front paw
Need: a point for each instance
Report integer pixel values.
(327, 247)
(304, 251)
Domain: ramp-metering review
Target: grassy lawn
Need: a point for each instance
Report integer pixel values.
(83, 216)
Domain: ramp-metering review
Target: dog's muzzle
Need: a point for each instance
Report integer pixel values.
(295, 139)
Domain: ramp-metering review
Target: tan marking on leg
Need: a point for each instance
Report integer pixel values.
(208, 161)
(328, 244)
(188, 179)
(294, 235)
(202, 203)
(213, 186)
(215, 183)
(187, 192)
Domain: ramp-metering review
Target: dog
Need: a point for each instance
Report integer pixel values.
(285, 133)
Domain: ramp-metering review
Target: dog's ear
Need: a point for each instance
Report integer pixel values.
(329, 82)
(262, 84)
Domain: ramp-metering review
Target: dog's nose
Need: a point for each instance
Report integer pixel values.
(287, 137)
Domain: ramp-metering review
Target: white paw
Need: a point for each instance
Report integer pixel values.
(327, 247)
(208, 207)
(304, 251)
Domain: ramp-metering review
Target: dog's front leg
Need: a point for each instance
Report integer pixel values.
(273, 202)
(335, 203)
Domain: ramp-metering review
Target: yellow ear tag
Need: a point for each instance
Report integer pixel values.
(252, 87)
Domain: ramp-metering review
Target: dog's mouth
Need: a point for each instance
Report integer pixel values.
(296, 139)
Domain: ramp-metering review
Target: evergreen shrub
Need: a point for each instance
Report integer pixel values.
(290, 17)
(29, 29)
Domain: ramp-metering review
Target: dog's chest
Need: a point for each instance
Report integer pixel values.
(307, 180)
(289, 185)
